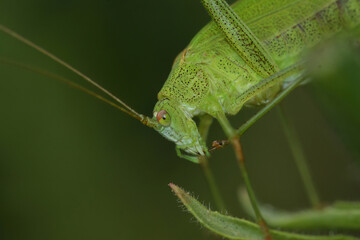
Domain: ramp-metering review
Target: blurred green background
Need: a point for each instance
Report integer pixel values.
(72, 167)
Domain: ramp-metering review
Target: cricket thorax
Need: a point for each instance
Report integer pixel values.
(187, 83)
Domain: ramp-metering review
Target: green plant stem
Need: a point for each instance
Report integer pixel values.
(299, 158)
(212, 184)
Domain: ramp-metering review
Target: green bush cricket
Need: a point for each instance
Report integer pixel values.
(218, 71)
(216, 78)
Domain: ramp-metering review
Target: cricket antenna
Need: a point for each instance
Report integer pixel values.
(124, 107)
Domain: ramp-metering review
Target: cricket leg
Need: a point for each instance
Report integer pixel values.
(293, 71)
(235, 141)
(240, 37)
(285, 75)
(244, 127)
(291, 86)
(204, 126)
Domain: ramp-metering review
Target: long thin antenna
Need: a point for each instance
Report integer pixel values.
(140, 117)
(64, 80)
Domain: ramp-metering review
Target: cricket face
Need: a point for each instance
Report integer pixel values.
(177, 126)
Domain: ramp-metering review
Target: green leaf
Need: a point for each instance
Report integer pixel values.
(339, 216)
(235, 228)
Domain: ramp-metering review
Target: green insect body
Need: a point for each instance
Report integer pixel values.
(245, 56)
(212, 77)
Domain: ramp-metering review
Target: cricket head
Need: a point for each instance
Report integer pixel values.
(175, 124)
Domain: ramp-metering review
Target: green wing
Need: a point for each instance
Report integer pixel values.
(270, 18)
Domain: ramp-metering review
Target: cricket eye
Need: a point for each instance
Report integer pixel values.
(163, 118)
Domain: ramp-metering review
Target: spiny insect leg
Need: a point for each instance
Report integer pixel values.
(240, 37)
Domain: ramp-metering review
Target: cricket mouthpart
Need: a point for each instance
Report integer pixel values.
(195, 149)
(200, 150)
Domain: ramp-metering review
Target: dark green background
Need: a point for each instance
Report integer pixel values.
(72, 167)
